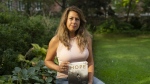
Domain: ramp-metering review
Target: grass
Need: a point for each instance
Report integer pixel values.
(122, 59)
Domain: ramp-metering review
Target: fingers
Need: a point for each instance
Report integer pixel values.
(63, 66)
(62, 69)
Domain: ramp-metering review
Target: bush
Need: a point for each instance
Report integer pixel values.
(145, 24)
(31, 68)
(8, 61)
(18, 32)
(135, 21)
(112, 25)
(36, 74)
(39, 74)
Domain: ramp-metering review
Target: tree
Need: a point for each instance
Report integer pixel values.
(92, 7)
(61, 3)
(30, 6)
(125, 7)
(94, 10)
(146, 6)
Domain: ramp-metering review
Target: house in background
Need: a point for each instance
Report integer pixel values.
(32, 7)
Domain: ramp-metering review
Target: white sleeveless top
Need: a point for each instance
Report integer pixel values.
(72, 55)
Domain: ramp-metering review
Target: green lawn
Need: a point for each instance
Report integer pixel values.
(121, 59)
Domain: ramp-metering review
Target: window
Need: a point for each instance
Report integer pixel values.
(20, 6)
(9, 4)
(38, 6)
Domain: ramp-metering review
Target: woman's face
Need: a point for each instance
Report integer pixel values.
(73, 21)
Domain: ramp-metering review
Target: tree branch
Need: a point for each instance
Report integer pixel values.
(57, 3)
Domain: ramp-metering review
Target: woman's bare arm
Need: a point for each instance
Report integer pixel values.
(90, 61)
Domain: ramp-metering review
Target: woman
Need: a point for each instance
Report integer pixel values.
(72, 43)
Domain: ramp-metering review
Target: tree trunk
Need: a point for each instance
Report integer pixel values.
(128, 11)
(63, 4)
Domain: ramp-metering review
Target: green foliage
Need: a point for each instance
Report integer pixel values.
(18, 32)
(135, 21)
(112, 25)
(5, 18)
(35, 74)
(10, 58)
(32, 68)
(126, 2)
(146, 5)
(6, 79)
(145, 24)
(35, 29)
(8, 61)
(32, 57)
(122, 5)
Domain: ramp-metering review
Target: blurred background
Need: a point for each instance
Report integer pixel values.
(26, 27)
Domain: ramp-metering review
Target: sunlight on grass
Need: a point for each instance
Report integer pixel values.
(131, 57)
(123, 60)
(144, 81)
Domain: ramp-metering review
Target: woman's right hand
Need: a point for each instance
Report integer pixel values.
(63, 67)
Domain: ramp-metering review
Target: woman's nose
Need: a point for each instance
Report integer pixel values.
(74, 20)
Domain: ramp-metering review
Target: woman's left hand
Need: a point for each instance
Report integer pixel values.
(63, 66)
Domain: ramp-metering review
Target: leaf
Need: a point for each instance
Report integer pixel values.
(37, 68)
(41, 80)
(21, 58)
(17, 70)
(31, 71)
(36, 46)
(35, 78)
(43, 50)
(24, 71)
(15, 78)
(24, 74)
(49, 79)
(45, 67)
(40, 63)
(3, 78)
(51, 71)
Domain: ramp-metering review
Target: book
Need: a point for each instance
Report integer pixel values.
(78, 73)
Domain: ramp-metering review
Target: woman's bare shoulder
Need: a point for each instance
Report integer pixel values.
(89, 39)
(54, 40)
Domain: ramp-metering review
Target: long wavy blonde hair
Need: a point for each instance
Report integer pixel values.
(81, 34)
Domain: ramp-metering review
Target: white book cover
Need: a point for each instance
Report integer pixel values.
(78, 73)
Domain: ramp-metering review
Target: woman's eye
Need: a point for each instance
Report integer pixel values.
(70, 18)
(77, 19)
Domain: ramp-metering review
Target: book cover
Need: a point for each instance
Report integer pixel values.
(78, 73)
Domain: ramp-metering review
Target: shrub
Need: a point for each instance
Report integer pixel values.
(18, 32)
(135, 21)
(32, 68)
(38, 73)
(8, 61)
(112, 25)
(145, 24)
